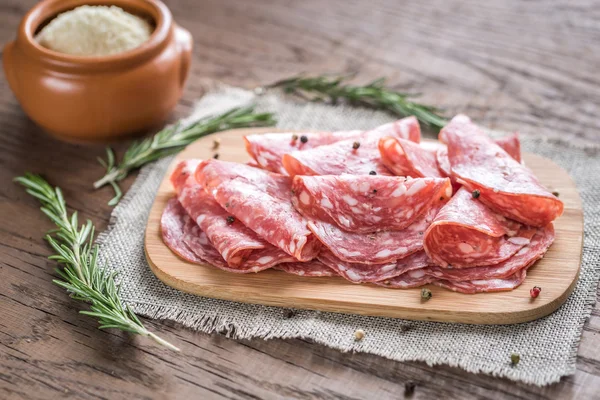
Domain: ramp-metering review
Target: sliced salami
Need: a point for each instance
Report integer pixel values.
(358, 156)
(175, 226)
(466, 233)
(504, 184)
(485, 285)
(405, 158)
(523, 258)
(261, 201)
(361, 273)
(268, 149)
(411, 279)
(374, 248)
(310, 268)
(511, 144)
(366, 204)
(238, 245)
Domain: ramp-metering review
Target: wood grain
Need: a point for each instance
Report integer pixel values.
(511, 65)
(557, 272)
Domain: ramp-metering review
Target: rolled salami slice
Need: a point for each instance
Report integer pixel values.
(309, 268)
(359, 156)
(466, 233)
(268, 149)
(261, 200)
(361, 273)
(241, 247)
(374, 248)
(524, 258)
(366, 204)
(405, 158)
(504, 184)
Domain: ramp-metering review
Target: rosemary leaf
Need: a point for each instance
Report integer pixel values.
(80, 274)
(171, 140)
(374, 95)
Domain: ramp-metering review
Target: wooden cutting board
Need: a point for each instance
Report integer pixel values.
(556, 273)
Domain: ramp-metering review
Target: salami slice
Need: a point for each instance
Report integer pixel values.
(374, 248)
(504, 184)
(361, 273)
(267, 149)
(238, 245)
(511, 144)
(359, 156)
(175, 226)
(309, 268)
(486, 285)
(405, 158)
(408, 280)
(261, 201)
(523, 258)
(466, 233)
(367, 203)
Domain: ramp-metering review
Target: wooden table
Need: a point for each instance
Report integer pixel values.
(531, 66)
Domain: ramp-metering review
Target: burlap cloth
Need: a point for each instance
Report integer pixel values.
(548, 347)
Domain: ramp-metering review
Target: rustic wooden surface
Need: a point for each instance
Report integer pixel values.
(557, 272)
(531, 66)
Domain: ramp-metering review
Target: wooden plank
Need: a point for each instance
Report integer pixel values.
(556, 273)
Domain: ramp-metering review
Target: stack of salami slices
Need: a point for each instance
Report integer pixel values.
(375, 207)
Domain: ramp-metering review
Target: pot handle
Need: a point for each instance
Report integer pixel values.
(185, 43)
(9, 66)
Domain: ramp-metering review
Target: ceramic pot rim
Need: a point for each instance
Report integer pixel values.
(47, 9)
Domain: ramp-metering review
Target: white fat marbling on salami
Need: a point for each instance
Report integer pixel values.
(361, 273)
(366, 204)
(373, 248)
(524, 258)
(313, 268)
(341, 157)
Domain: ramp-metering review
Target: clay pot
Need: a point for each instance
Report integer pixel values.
(99, 98)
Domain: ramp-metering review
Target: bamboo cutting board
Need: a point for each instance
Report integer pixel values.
(556, 273)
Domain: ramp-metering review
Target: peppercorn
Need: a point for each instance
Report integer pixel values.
(359, 334)
(426, 294)
(374, 191)
(230, 220)
(476, 193)
(216, 156)
(288, 313)
(303, 138)
(355, 145)
(555, 193)
(372, 173)
(409, 388)
(515, 358)
(216, 144)
(535, 292)
(294, 137)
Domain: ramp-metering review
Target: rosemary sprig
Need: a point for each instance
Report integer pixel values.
(374, 95)
(171, 140)
(81, 275)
